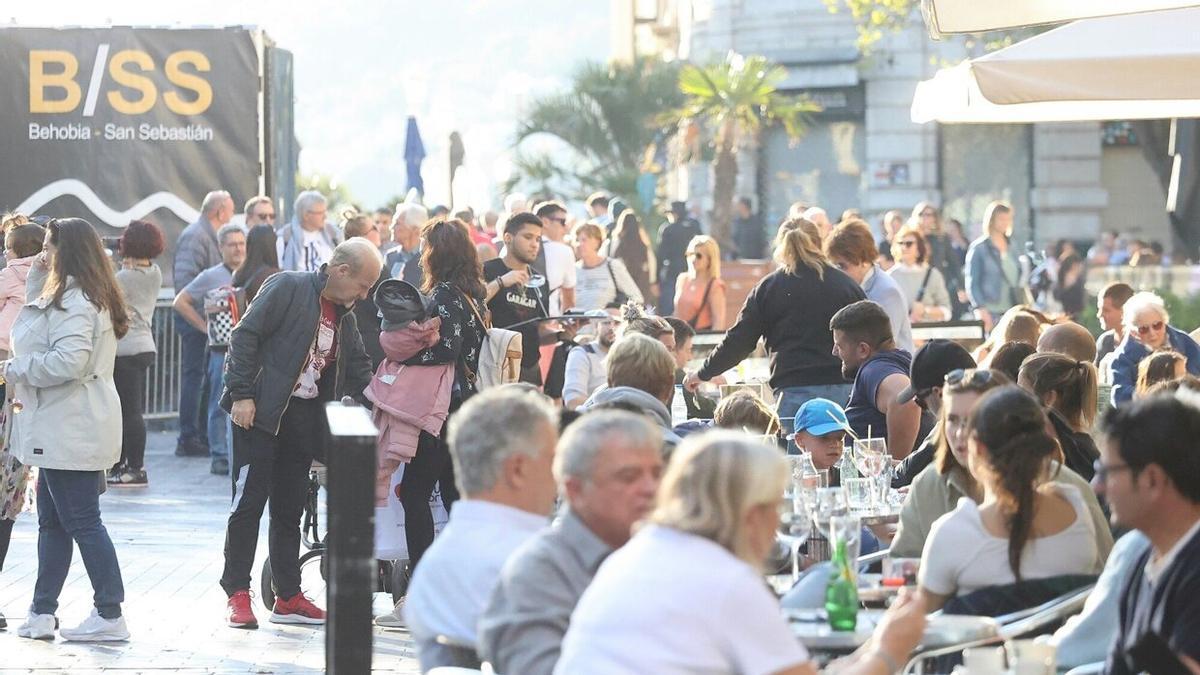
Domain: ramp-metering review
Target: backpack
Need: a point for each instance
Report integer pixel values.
(222, 310)
(499, 355)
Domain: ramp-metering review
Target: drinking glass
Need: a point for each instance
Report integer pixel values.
(859, 493)
(795, 526)
(830, 502)
(535, 281)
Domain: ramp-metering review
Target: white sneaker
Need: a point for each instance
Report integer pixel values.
(38, 627)
(393, 619)
(96, 628)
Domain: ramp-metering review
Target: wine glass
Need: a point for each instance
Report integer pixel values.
(870, 458)
(795, 527)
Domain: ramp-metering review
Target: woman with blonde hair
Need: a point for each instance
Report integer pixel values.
(700, 292)
(693, 571)
(790, 310)
(923, 285)
(994, 282)
(355, 224)
(941, 254)
(1015, 325)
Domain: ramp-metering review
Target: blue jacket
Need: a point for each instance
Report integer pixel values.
(987, 287)
(1131, 352)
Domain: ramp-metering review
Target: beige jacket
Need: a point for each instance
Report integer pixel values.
(61, 371)
(933, 495)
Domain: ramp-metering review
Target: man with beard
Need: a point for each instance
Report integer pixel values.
(862, 339)
(585, 372)
(512, 300)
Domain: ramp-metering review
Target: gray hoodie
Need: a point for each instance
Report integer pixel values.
(636, 399)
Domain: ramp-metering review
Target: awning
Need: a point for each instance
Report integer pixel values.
(946, 17)
(1140, 66)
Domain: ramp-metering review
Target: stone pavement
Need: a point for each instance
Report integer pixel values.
(169, 539)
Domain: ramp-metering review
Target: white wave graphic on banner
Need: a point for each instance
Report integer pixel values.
(110, 216)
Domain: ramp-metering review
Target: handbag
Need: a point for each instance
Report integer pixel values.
(223, 310)
(499, 356)
(621, 296)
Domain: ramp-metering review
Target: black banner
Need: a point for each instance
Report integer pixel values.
(114, 124)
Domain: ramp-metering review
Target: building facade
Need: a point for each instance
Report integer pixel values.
(1065, 180)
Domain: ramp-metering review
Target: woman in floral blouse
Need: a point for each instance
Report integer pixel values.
(454, 278)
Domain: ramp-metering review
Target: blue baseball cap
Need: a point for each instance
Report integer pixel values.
(820, 416)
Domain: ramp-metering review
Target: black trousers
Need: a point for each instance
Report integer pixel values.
(431, 466)
(129, 376)
(272, 469)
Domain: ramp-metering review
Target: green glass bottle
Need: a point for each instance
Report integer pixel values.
(841, 595)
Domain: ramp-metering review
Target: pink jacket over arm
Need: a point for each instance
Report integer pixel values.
(12, 296)
(408, 399)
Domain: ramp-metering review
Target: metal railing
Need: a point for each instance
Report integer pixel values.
(163, 379)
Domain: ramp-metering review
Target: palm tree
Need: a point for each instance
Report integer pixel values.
(735, 98)
(608, 118)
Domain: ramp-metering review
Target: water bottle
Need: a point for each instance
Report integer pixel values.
(678, 407)
(806, 478)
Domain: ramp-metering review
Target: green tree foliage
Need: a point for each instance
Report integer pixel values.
(735, 98)
(337, 192)
(608, 117)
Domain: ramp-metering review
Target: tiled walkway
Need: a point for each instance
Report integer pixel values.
(169, 539)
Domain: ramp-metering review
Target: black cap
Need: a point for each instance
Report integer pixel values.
(930, 365)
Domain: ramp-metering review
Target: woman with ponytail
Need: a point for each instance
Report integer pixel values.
(1068, 389)
(1024, 527)
(790, 310)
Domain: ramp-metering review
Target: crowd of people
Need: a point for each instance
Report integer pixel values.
(532, 367)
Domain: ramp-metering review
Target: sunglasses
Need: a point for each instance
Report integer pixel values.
(1144, 330)
(558, 219)
(908, 244)
(977, 377)
(696, 254)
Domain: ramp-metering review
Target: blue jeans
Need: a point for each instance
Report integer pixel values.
(218, 427)
(68, 504)
(191, 380)
(791, 398)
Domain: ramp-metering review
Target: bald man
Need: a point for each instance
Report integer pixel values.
(296, 348)
(1069, 339)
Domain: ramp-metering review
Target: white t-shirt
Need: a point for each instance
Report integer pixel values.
(960, 555)
(316, 251)
(560, 272)
(670, 602)
(595, 287)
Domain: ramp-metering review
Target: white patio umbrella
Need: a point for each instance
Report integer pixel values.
(1139, 66)
(946, 17)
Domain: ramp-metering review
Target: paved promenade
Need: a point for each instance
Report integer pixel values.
(169, 539)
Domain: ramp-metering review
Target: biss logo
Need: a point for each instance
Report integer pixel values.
(134, 85)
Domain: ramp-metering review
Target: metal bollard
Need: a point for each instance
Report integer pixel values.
(351, 556)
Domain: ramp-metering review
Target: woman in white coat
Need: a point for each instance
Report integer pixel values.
(67, 421)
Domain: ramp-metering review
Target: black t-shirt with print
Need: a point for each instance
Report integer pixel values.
(515, 304)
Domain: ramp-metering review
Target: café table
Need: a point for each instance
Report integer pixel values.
(811, 627)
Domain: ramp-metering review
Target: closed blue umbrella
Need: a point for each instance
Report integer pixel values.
(414, 154)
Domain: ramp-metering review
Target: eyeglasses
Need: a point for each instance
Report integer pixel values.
(908, 243)
(266, 216)
(960, 378)
(1103, 470)
(1144, 330)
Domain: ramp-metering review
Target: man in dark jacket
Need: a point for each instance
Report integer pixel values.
(297, 347)
(673, 239)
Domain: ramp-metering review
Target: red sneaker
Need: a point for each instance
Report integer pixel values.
(238, 613)
(297, 609)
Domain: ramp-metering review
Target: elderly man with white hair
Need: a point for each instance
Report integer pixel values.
(1147, 329)
(308, 241)
(817, 216)
(608, 467)
(196, 251)
(502, 446)
(404, 261)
